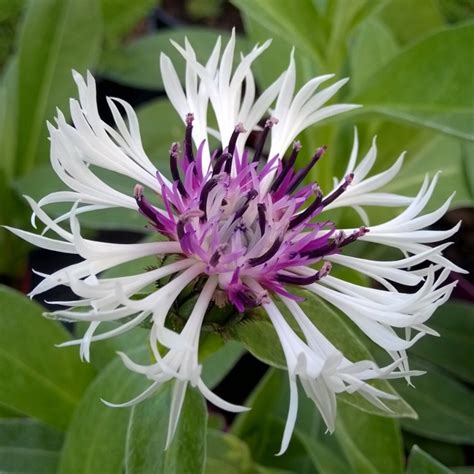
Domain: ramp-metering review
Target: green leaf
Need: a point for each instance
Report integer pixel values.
(217, 365)
(138, 63)
(467, 155)
(259, 338)
(120, 16)
(408, 23)
(445, 407)
(52, 42)
(38, 379)
(421, 462)
(372, 444)
(417, 87)
(446, 453)
(95, 441)
(262, 426)
(325, 459)
(147, 431)
(373, 47)
(160, 126)
(227, 454)
(282, 20)
(27, 446)
(455, 323)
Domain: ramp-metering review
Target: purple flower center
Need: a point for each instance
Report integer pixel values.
(247, 222)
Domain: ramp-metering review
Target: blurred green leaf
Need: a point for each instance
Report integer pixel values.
(421, 462)
(467, 155)
(227, 454)
(446, 453)
(147, 431)
(138, 63)
(408, 22)
(120, 16)
(52, 42)
(262, 427)
(324, 459)
(455, 323)
(373, 47)
(160, 126)
(372, 444)
(445, 407)
(38, 379)
(95, 441)
(296, 25)
(258, 337)
(217, 364)
(416, 85)
(27, 446)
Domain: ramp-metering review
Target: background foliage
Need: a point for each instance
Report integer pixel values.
(409, 66)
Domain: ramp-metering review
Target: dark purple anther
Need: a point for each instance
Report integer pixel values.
(267, 255)
(308, 212)
(335, 194)
(223, 158)
(327, 249)
(158, 220)
(353, 237)
(206, 189)
(180, 230)
(213, 261)
(301, 280)
(262, 220)
(263, 138)
(287, 167)
(174, 155)
(188, 138)
(239, 128)
(301, 174)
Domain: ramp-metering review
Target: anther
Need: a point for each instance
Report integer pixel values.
(263, 138)
(188, 138)
(287, 166)
(174, 155)
(336, 193)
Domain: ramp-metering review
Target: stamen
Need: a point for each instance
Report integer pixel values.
(220, 162)
(354, 236)
(174, 154)
(239, 128)
(241, 211)
(253, 262)
(334, 195)
(263, 138)
(188, 138)
(299, 280)
(308, 212)
(262, 220)
(206, 189)
(301, 174)
(287, 167)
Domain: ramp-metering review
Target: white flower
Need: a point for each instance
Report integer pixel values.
(248, 232)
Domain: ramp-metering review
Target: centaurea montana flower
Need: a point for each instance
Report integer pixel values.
(250, 231)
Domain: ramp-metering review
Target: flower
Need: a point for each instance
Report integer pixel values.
(249, 231)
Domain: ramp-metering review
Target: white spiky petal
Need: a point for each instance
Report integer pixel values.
(80, 148)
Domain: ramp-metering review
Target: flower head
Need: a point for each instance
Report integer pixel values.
(244, 226)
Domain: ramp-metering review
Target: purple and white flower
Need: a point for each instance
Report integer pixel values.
(247, 228)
